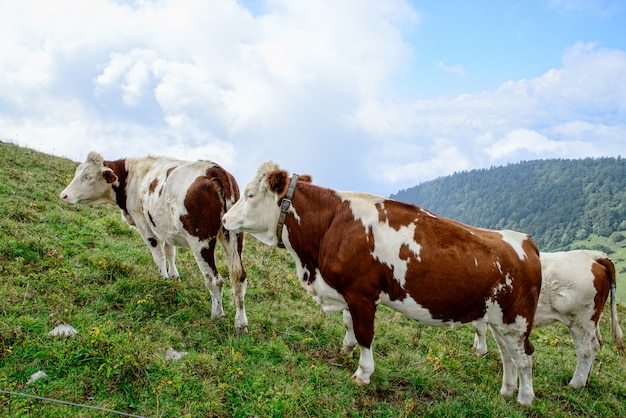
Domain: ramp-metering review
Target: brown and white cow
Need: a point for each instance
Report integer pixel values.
(171, 203)
(354, 251)
(574, 289)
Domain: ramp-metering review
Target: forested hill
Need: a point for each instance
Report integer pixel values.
(557, 201)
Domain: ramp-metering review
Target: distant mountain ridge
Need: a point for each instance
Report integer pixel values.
(557, 201)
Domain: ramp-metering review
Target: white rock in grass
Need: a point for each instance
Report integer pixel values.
(63, 330)
(36, 376)
(172, 354)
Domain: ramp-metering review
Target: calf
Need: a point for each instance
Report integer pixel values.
(171, 203)
(575, 287)
(354, 251)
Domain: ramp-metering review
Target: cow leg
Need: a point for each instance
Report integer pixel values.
(237, 276)
(366, 367)
(587, 345)
(157, 253)
(349, 341)
(205, 257)
(170, 256)
(511, 343)
(362, 315)
(509, 373)
(480, 337)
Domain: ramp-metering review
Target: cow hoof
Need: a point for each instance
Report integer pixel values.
(480, 353)
(241, 331)
(576, 384)
(348, 348)
(525, 400)
(359, 380)
(508, 392)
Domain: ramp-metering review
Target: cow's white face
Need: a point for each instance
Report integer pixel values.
(256, 213)
(91, 183)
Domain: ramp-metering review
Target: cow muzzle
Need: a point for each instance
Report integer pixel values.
(226, 223)
(67, 198)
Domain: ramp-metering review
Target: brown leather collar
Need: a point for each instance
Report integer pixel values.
(285, 204)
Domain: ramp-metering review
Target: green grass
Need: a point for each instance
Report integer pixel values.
(84, 266)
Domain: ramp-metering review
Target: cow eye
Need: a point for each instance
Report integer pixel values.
(87, 178)
(249, 195)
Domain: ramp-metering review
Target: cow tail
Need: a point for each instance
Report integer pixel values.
(229, 193)
(616, 331)
(220, 183)
(225, 206)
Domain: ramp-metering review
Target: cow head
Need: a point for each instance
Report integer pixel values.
(93, 183)
(257, 212)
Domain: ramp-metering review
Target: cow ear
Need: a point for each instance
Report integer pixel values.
(277, 182)
(109, 176)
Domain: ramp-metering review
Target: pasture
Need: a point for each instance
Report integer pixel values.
(84, 266)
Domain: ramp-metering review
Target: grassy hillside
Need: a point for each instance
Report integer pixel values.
(85, 267)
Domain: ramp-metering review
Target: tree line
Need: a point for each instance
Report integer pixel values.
(557, 201)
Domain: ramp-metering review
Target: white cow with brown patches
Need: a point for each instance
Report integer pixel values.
(354, 251)
(575, 287)
(171, 203)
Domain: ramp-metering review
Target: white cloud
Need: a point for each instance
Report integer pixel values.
(189, 77)
(457, 69)
(575, 111)
(444, 157)
(305, 83)
(27, 69)
(131, 71)
(522, 139)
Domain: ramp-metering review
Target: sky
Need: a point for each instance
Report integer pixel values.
(364, 95)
